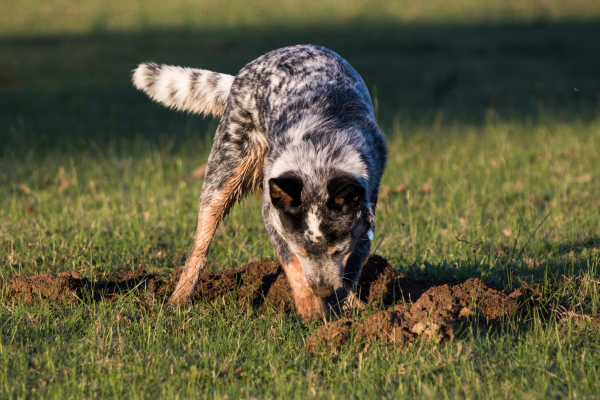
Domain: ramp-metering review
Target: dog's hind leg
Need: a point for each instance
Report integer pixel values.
(235, 166)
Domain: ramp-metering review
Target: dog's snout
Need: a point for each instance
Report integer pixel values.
(322, 290)
(321, 286)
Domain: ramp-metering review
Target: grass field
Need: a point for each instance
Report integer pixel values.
(491, 114)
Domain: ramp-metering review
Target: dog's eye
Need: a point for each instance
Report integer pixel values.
(334, 252)
(286, 191)
(345, 193)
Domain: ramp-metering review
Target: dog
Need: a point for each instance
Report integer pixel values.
(298, 122)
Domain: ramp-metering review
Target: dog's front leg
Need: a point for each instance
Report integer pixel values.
(229, 176)
(308, 305)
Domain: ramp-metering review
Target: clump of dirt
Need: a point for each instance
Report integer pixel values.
(259, 284)
(263, 283)
(64, 288)
(448, 303)
(404, 307)
(72, 287)
(395, 308)
(390, 327)
(436, 313)
(381, 285)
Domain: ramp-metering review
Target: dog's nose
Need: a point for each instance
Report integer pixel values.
(321, 289)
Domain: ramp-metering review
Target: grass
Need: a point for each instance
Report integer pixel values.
(494, 173)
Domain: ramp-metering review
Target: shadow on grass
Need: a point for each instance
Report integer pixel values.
(578, 247)
(61, 92)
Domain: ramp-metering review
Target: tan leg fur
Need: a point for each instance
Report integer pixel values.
(308, 305)
(212, 208)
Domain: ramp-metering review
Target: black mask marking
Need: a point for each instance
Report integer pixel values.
(345, 193)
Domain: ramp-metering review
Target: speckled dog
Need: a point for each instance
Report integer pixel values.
(298, 121)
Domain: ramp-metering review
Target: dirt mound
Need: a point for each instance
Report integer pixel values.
(436, 313)
(390, 327)
(381, 285)
(72, 287)
(452, 303)
(396, 308)
(263, 283)
(64, 288)
(259, 284)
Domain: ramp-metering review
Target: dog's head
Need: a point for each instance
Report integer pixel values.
(323, 216)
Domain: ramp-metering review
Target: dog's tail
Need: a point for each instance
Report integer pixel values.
(194, 90)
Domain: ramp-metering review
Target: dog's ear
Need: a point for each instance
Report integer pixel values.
(286, 190)
(345, 193)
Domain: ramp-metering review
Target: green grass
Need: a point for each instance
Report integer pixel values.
(494, 172)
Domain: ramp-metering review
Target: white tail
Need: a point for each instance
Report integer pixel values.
(187, 89)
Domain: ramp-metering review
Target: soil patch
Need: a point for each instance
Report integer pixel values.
(259, 284)
(72, 287)
(395, 308)
(437, 312)
(262, 283)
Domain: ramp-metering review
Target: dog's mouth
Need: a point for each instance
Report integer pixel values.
(323, 287)
(322, 290)
(322, 275)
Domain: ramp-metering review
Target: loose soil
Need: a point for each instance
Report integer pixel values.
(403, 308)
(393, 308)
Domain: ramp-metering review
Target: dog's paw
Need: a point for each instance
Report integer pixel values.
(179, 298)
